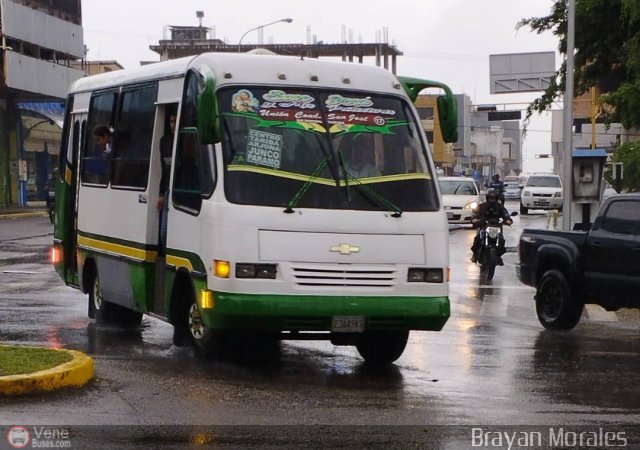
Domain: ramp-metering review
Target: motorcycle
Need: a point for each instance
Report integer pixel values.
(488, 256)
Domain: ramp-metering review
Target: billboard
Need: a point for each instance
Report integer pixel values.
(521, 72)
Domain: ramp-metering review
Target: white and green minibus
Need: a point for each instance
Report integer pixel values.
(302, 202)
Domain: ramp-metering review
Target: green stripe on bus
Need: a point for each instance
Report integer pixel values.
(281, 311)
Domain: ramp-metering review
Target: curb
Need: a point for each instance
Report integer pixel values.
(25, 214)
(75, 373)
(553, 220)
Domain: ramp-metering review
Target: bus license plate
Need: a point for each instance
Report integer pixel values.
(348, 324)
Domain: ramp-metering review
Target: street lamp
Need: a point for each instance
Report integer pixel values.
(288, 20)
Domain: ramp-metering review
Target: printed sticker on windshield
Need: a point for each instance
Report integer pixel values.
(264, 149)
(244, 101)
(356, 111)
(280, 105)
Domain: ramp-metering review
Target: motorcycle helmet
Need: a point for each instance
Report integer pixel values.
(492, 195)
(495, 177)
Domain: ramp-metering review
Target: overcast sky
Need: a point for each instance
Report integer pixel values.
(448, 41)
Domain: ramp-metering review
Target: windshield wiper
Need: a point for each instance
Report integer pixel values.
(307, 184)
(373, 195)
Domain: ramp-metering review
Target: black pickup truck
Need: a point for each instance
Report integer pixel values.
(572, 268)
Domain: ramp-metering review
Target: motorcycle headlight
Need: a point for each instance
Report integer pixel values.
(471, 205)
(493, 232)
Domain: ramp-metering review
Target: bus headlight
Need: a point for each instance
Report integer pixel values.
(420, 275)
(264, 271)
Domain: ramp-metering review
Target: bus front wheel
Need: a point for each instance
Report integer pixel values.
(203, 339)
(382, 347)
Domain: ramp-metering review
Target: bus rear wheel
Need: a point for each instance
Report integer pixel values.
(107, 313)
(102, 309)
(379, 348)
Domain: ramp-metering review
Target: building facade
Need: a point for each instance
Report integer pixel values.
(40, 39)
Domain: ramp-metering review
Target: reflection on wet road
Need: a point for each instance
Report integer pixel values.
(493, 363)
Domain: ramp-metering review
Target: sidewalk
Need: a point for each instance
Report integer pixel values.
(34, 209)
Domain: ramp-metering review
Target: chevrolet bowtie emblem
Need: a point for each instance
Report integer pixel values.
(345, 249)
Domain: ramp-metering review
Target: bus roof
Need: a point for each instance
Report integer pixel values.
(167, 69)
(241, 68)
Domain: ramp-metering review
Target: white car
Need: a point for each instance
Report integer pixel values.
(541, 191)
(460, 196)
(511, 190)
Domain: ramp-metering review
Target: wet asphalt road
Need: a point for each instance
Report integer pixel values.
(493, 364)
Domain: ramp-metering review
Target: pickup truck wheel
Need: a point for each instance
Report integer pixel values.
(556, 305)
(523, 209)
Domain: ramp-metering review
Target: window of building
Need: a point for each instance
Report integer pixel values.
(425, 113)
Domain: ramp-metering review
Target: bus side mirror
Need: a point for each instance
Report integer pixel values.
(446, 104)
(448, 115)
(208, 115)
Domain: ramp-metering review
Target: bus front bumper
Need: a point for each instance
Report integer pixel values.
(316, 313)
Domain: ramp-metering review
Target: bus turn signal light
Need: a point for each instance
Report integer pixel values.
(221, 268)
(206, 299)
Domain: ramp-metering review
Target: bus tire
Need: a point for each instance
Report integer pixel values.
(379, 348)
(204, 340)
(107, 313)
(102, 310)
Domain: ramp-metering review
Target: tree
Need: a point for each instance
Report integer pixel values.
(629, 155)
(607, 54)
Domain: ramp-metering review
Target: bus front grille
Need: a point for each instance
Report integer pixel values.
(339, 276)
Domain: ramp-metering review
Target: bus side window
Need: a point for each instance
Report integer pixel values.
(187, 190)
(95, 157)
(133, 136)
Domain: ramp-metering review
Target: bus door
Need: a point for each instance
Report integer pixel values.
(68, 220)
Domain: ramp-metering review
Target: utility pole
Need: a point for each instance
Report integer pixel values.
(567, 138)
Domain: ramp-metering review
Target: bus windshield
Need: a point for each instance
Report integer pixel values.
(343, 144)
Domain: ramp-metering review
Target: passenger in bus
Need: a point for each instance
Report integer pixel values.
(103, 140)
(166, 149)
(96, 163)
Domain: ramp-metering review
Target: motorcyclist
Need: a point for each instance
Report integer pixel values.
(489, 211)
(497, 184)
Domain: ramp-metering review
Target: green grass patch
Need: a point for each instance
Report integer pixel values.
(19, 360)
